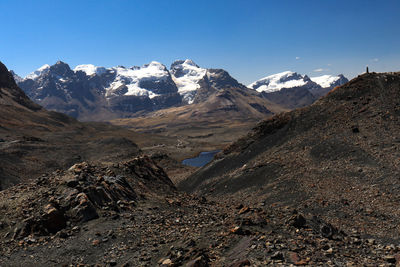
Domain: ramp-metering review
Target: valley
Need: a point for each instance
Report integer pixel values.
(199, 133)
(290, 186)
(184, 108)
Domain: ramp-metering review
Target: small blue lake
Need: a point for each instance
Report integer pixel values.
(201, 160)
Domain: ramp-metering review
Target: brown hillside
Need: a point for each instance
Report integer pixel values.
(338, 158)
(34, 141)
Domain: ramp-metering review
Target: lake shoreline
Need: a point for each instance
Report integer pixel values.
(202, 159)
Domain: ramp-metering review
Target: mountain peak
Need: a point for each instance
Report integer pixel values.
(154, 63)
(177, 62)
(61, 68)
(6, 78)
(43, 69)
(152, 67)
(17, 78)
(152, 80)
(187, 75)
(190, 62)
(90, 69)
(186, 62)
(59, 62)
(327, 80)
(275, 82)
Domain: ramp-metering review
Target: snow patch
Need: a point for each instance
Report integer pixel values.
(276, 82)
(43, 69)
(90, 69)
(325, 81)
(187, 76)
(131, 78)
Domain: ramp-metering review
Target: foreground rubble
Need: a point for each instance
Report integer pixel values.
(129, 214)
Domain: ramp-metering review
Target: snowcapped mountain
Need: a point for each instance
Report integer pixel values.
(289, 79)
(196, 84)
(187, 76)
(292, 90)
(90, 92)
(43, 69)
(151, 80)
(90, 69)
(59, 88)
(327, 82)
(277, 82)
(122, 91)
(96, 93)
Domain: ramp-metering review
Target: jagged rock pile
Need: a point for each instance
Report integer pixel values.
(65, 199)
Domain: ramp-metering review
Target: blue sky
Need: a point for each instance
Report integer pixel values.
(249, 38)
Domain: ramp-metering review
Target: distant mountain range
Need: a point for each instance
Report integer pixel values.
(291, 90)
(89, 92)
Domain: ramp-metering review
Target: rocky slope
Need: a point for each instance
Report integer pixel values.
(34, 141)
(337, 159)
(129, 214)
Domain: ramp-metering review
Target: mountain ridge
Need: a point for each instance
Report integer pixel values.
(117, 92)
